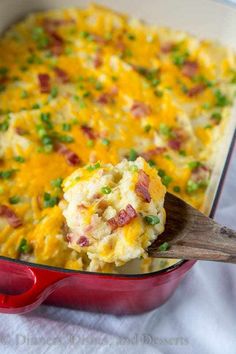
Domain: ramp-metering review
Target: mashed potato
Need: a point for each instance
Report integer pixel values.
(113, 212)
(84, 85)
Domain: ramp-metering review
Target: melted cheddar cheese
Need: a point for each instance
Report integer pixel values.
(84, 85)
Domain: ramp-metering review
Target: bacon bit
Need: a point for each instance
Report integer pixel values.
(174, 144)
(180, 134)
(167, 47)
(141, 187)
(69, 237)
(61, 75)
(65, 229)
(56, 43)
(3, 80)
(179, 138)
(39, 201)
(82, 206)
(131, 211)
(20, 131)
(102, 205)
(97, 60)
(71, 157)
(120, 45)
(88, 228)
(123, 217)
(83, 241)
(10, 215)
(147, 155)
(113, 91)
(190, 68)
(113, 223)
(98, 39)
(140, 109)
(89, 132)
(96, 196)
(108, 97)
(196, 90)
(44, 83)
(50, 24)
(104, 98)
(200, 173)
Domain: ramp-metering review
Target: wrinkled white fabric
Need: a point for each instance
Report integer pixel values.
(199, 318)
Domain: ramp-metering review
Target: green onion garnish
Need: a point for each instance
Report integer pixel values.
(152, 219)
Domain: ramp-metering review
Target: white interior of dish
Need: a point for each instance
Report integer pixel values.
(206, 19)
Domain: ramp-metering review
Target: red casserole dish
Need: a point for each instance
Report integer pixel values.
(24, 286)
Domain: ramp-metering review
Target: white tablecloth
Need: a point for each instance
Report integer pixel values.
(199, 318)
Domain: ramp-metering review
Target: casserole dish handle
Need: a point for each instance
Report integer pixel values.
(44, 283)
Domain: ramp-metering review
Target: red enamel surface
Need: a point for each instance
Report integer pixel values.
(86, 291)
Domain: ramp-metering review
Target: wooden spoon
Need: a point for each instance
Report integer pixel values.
(192, 235)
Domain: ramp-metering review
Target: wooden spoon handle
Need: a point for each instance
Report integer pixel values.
(192, 235)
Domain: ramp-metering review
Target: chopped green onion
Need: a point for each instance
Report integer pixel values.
(164, 247)
(90, 143)
(126, 53)
(46, 140)
(151, 163)
(66, 127)
(179, 58)
(49, 200)
(41, 130)
(105, 141)
(106, 190)
(7, 174)
(4, 126)
(194, 164)
(3, 70)
(182, 153)
(46, 118)
(147, 128)
(176, 189)
(152, 219)
(84, 34)
(14, 200)
(40, 37)
(57, 182)
(165, 129)
(98, 86)
(131, 37)
(206, 105)
(134, 168)
(93, 167)
(166, 180)
(54, 92)
(133, 155)
(68, 50)
(86, 94)
(36, 106)
(192, 186)
(2, 87)
(20, 159)
(158, 93)
(66, 138)
(24, 94)
(216, 116)
(24, 246)
(161, 172)
(221, 99)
